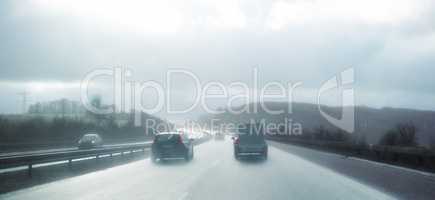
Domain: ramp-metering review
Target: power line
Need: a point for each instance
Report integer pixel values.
(24, 96)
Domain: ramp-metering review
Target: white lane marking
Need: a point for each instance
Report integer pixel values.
(427, 174)
(305, 148)
(195, 177)
(184, 196)
(318, 173)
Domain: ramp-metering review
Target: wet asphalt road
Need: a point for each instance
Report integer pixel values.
(213, 174)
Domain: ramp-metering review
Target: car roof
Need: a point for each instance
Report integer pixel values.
(170, 133)
(91, 134)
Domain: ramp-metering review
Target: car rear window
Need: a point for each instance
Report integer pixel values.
(246, 137)
(167, 138)
(259, 136)
(89, 137)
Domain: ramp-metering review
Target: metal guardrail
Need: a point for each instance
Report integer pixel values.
(38, 158)
(30, 159)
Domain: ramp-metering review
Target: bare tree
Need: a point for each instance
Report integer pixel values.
(405, 134)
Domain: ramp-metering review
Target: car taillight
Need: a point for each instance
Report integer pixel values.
(237, 141)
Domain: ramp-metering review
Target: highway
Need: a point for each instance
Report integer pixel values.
(65, 149)
(213, 174)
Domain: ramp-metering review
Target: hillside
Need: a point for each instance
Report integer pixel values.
(370, 123)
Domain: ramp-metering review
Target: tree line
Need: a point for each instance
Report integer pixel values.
(38, 129)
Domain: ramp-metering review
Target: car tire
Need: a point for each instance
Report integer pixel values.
(236, 155)
(191, 155)
(187, 156)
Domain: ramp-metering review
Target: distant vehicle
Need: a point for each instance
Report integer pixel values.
(169, 145)
(90, 140)
(219, 136)
(250, 144)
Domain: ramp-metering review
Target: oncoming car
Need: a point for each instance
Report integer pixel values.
(170, 145)
(90, 140)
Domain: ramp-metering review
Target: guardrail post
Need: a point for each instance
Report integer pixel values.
(420, 160)
(378, 155)
(29, 170)
(395, 157)
(69, 163)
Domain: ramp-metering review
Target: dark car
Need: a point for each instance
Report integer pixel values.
(90, 140)
(250, 144)
(170, 145)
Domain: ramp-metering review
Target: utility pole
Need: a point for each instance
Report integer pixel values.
(24, 96)
(63, 107)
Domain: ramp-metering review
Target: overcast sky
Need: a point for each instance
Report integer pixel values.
(47, 47)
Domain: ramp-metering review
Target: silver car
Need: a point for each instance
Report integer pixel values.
(90, 140)
(172, 145)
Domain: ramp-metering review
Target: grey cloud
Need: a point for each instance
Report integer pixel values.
(62, 48)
